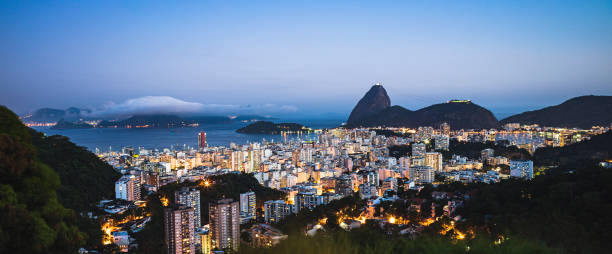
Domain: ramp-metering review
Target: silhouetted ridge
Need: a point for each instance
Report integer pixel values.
(460, 114)
(374, 101)
(582, 112)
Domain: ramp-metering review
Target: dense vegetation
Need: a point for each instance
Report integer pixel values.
(265, 127)
(31, 218)
(151, 239)
(598, 148)
(85, 178)
(472, 150)
(368, 240)
(75, 177)
(295, 224)
(568, 209)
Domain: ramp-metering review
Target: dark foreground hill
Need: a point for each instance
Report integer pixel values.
(46, 183)
(582, 112)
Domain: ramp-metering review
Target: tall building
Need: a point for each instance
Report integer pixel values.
(190, 197)
(276, 210)
(445, 129)
(205, 243)
(421, 174)
(389, 184)
(521, 169)
(344, 185)
(202, 140)
(225, 224)
(418, 149)
(180, 230)
(417, 161)
(434, 160)
(127, 188)
(486, 153)
(247, 206)
(441, 142)
(307, 200)
(370, 177)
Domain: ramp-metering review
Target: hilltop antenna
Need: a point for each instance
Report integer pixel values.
(378, 83)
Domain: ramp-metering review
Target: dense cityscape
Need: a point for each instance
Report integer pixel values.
(306, 127)
(330, 165)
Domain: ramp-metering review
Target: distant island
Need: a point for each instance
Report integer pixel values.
(66, 125)
(265, 127)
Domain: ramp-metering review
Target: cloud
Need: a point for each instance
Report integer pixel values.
(171, 105)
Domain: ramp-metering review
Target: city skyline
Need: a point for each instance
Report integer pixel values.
(248, 127)
(290, 58)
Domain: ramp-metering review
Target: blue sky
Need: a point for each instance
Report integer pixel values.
(312, 56)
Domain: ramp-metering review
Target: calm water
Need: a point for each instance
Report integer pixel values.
(216, 134)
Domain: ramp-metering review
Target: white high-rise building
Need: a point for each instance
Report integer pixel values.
(225, 224)
(276, 210)
(247, 206)
(441, 142)
(421, 174)
(419, 149)
(127, 188)
(434, 160)
(180, 230)
(190, 198)
(521, 169)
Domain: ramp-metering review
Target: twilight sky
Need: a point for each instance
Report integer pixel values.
(308, 57)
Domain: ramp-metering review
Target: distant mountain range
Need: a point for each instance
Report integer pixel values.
(72, 118)
(46, 115)
(173, 121)
(147, 121)
(374, 110)
(583, 112)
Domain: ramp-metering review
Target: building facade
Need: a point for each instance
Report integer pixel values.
(202, 140)
(127, 188)
(190, 197)
(521, 169)
(247, 206)
(276, 210)
(224, 220)
(422, 174)
(180, 230)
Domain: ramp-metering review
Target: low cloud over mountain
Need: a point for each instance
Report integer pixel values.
(171, 105)
(157, 105)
